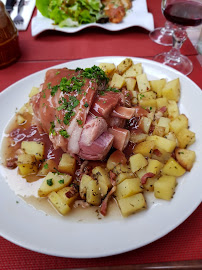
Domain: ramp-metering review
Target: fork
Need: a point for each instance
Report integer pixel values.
(19, 19)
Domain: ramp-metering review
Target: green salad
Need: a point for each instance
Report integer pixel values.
(71, 13)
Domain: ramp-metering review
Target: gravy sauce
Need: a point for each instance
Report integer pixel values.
(27, 187)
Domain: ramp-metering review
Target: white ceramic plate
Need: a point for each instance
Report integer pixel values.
(33, 229)
(137, 16)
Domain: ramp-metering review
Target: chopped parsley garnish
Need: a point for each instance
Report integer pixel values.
(80, 122)
(57, 172)
(61, 181)
(49, 85)
(67, 117)
(52, 129)
(45, 166)
(49, 182)
(64, 104)
(54, 89)
(73, 84)
(78, 69)
(68, 105)
(58, 72)
(74, 101)
(109, 89)
(64, 133)
(86, 105)
(58, 119)
(95, 73)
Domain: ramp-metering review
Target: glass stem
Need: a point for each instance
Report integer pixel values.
(179, 37)
(168, 26)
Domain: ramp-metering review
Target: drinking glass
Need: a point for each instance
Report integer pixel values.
(181, 13)
(163, 35)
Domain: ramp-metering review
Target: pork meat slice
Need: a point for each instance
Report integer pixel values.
(98, 149)
(93, 128)
(116, 121)
(104, 104)
(123, 112)
(121, 137)
(61, 107)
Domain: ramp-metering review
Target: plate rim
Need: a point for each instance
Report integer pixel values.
(180, 221)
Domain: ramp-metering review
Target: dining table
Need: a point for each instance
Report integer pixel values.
(179, 249)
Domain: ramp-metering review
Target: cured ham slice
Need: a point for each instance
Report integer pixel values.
(123, 112)
(93, 128)
(103, 105)
(116, 121)
(121, 137)
(98, 149)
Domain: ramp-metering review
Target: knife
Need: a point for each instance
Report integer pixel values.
(9, 5)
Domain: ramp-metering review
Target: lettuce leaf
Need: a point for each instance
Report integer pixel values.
(42, 6)
(70, 12)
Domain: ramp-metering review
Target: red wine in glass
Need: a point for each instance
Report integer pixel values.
(187, 13)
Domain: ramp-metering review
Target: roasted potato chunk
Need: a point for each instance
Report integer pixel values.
(124, 65)
(33, 148)
(128, 188)
(62, 193)
(143, 83)
(67, 164)
(101, 175)
(172, 109)
(85, 180)
(137, 162)
(27, 164)
(53, 182)
(163, 143)
(145, 148)
(154, 166)
(117, 81)
(157, 86)
(61, 206)
(132, 204)
(172, 167)
(108, 68)
(164, 187)
(178, 123)
(185, 137)
(172, 90)
(47, 166)
(185, 158)
(93, 195)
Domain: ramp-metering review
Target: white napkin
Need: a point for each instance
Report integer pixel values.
(26, 13)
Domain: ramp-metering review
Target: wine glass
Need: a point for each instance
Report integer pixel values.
(163, 35)
(181, 13)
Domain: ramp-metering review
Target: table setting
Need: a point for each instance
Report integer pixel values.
(168, 234)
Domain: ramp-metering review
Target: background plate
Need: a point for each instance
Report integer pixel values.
(33, 229)
(137, 16)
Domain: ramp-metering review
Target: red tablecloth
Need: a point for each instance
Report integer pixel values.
(51, 48)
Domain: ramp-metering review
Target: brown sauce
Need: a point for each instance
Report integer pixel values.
(27, 187)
